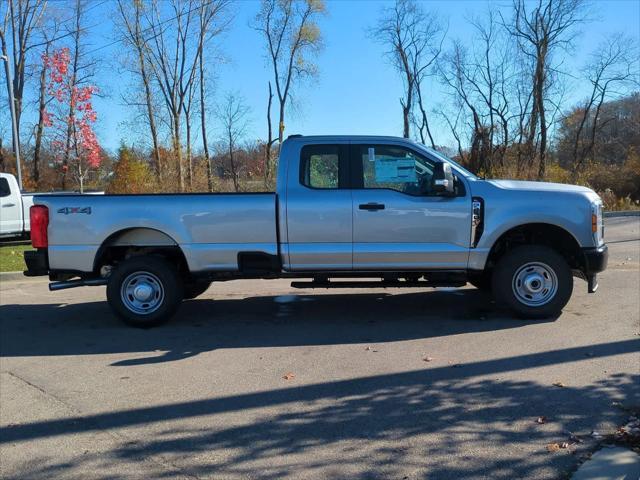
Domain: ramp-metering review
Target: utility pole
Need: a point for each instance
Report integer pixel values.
(12, 106)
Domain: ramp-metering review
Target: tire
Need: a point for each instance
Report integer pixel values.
(534, 281)
(482, 281)
(195, 289)
(150, 276)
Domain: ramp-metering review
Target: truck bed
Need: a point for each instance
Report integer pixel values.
(211, 229)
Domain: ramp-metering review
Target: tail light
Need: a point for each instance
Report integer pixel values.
(39, 216)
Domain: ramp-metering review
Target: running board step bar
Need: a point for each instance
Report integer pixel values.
(379, 284)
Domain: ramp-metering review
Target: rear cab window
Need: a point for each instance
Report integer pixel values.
(324, 166)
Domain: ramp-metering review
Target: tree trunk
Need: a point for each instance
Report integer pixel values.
(267, 147)
(203, 125)
(74, 76)
(177, 148)
(189, 157)
(150, 116)
(40, 127)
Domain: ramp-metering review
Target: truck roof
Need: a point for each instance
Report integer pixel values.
(347, 137)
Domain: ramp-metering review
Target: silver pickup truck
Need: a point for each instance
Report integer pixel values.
(348, 211)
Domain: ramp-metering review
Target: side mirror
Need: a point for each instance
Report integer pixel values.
(442, 182)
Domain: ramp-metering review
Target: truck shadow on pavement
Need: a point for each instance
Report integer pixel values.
(472, 420)
(264, 321)
(437, 423)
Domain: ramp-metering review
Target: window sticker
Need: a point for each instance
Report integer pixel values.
(395, 170)
(372, 154)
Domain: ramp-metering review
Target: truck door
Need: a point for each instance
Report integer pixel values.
(398, 222)
(10, 207)
(318, 208)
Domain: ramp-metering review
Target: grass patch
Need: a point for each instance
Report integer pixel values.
(12, 258)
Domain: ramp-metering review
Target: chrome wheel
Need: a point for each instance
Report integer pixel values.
(142, 293)
(535, 284)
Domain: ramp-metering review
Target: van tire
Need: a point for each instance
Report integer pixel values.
(534, 281)
(144, 291)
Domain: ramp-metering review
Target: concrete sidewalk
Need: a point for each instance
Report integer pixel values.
(610, 463)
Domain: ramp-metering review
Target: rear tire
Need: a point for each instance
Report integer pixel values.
(195, 289)
(534, 281)
(144, 291)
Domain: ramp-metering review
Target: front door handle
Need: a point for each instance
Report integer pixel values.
(371, 206)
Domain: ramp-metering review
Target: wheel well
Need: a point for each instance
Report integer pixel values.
(132, 242)
(545, 234)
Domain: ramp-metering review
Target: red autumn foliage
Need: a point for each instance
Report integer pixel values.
(72, 112)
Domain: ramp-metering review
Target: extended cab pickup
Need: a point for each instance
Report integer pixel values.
(348, 211)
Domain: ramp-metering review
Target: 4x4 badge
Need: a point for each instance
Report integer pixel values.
(68, 210)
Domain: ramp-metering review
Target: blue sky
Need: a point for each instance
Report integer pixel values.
(357, 90)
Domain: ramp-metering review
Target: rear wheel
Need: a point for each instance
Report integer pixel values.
(144, 291)
(534, 281)
(195, 289)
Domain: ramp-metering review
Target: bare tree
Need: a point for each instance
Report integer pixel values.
(131, 17)
(20, 22)
(270, 141)
(232, 115)
(293, 38)
(214, 19)
(550, 25)
(173, 61)
(613, 65)
(414, 39)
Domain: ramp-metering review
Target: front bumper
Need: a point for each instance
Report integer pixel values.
(595, 260)
(37, 263)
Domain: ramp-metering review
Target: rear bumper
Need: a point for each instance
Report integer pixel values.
(595, 259)
(37, 263)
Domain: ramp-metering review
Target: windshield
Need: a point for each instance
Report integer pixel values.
(444, 158)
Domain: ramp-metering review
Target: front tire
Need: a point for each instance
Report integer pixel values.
(144, 291)
(534, 281)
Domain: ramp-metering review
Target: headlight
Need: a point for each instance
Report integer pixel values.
(597, 223)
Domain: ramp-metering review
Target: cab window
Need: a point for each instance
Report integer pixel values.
(320, 166)
(395, 168)
(4, 188)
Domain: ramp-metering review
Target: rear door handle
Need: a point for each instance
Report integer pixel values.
(9, 205)
(371, 206)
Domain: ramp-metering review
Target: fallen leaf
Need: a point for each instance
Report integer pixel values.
(427, 359)
(541, 420)
(369, 349)
(289, 376)
(559, 384)
(553, 447)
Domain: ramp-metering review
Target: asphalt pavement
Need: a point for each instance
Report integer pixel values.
(259, 380)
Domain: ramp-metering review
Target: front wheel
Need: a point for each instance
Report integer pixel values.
(144, 291)
(534, 281)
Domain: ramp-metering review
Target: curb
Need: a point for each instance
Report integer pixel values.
(623, 213)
